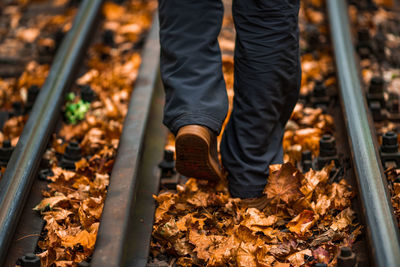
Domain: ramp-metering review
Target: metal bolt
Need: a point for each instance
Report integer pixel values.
(72, 154)
(58, 36)
(4, 115)
(389, 142)
(376, 85)
(87, 94)
(376, 110)
(306, 160)
(6, 143)
(363, 35)
(108, 38)
(345, 252)
(73, 151)
(33, 92)
(30, 260)
(5, 152)
(306, 155)
(167, 165)
(43, 174)
(319, 89)
(327, 145)
(17, 108)
(346, 258)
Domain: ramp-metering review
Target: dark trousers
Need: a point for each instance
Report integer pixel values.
(267, 80)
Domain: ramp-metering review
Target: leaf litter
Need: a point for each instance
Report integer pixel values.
(73, 203)
(40, 33)
(216, 230)
(308, 216)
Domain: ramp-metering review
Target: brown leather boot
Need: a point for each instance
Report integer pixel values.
(196, 153)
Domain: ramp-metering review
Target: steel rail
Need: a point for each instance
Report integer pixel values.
(129, 205)
(23, 165)
(381, 225)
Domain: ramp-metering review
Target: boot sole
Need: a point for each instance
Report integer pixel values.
(193, 157)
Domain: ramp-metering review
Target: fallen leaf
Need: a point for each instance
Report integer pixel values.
(297, 259)
(343, 219)
(284, 184)
(83, 238)
(321, 255)
(49, 203)
(302, 222)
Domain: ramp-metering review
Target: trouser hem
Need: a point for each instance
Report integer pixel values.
(246, 191)
(195, 119)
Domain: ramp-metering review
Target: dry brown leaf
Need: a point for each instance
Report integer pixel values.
(321, 255)
(165, 202)
(343, 219)
(262, 257)
(49, 203)
(253, 217)
(245, 255)
(182, 247)
(112, 11)
(302, 222)
(168, 230)
(297, 259)
(322, 206)
(198, 199)
(57, 214)
(83, 238)
(185, 262)
(284, 184)
(340, 195)
(213, 249)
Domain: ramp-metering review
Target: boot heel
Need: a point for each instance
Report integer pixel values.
(193, 154)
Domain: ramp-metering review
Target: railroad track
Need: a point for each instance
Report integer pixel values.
(382, 229)
(380, 84)
(126, 225)
(21, 170)
(29, 36)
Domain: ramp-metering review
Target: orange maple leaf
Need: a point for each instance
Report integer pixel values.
(284, 184)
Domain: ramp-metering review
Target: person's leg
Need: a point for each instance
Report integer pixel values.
(191, 66)
(267, 81)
